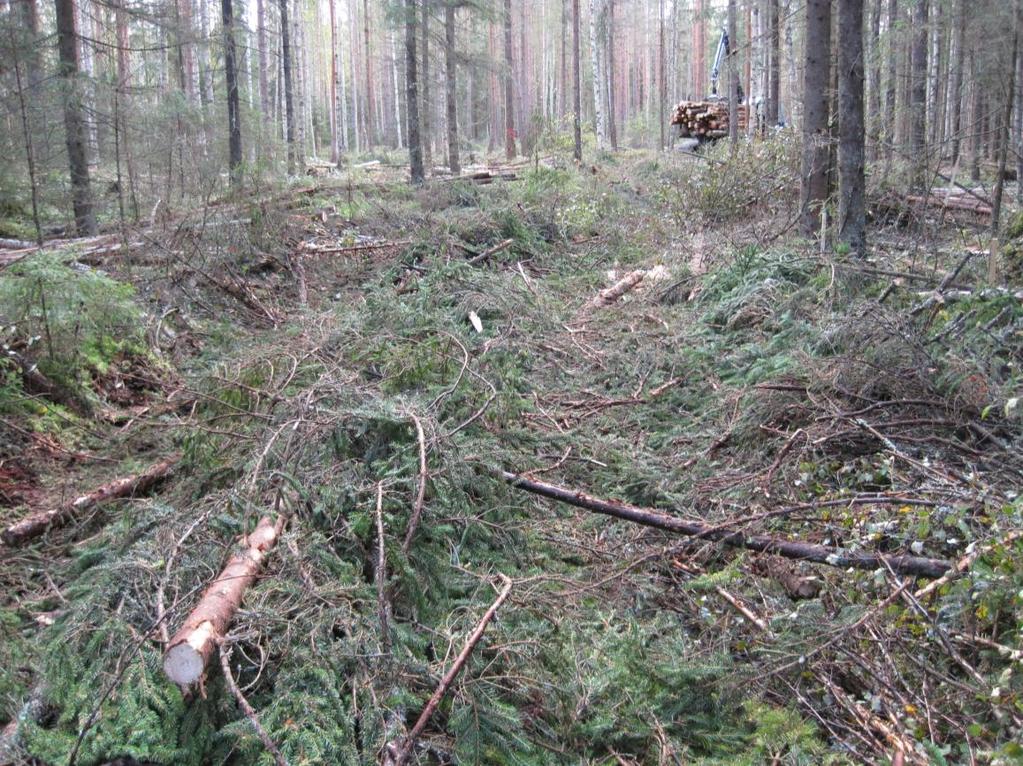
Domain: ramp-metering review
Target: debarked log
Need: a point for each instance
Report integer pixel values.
(792, 549)
(189, 651)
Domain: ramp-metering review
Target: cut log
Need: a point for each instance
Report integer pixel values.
(33, 526)
(792, 549)
(706, 119)
(618, 289)
(190, 649)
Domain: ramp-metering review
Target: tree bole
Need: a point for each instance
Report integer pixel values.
(189, 651)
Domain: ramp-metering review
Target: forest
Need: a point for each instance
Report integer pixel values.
(599, 382)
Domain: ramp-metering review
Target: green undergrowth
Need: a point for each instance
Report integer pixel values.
(614, 644)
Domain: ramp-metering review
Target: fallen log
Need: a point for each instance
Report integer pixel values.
(190, 649)
(618, 289)
(502, 245)
(36, 382)
(398, 754)
(35, 525)
(792, 549)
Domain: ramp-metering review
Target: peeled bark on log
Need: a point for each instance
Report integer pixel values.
(820, 554)
(618, 289)
(190, 649)
(33, 526)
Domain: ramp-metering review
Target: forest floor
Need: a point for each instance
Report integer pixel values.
(305, 352)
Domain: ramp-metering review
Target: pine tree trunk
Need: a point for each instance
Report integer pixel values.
(596, 8)
(124, 98)
(264, 87)
(415, 147)
(370, 134)
(733, 79)
(774, 76)
(891, 96)
(918, 95)
(873, 145)
(814, 191)
(612, 122)
(427, 102)
(234, 127)
(661, 60)
(852, 214)
(563, 94)
(335, 128)
(451, 88)
(74, 124)
(576, 86)
(289, 103)
(509, 93)
(956, 97)
(1003, 131)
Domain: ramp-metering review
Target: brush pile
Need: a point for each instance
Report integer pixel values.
(705, 119)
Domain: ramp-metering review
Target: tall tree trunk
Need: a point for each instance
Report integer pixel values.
(264, 86)
(426, 114)
(335, 128)
(289, 103)
(891, 96)
(356, 105)
(814, 191)
(875, 80)
(563, 94)
(596, 9)
(956, 97)
(451, 87)
(74, 125)
(234, 126)
(733, 79)
(661, 66)
(397, 100)
(852, 211)
(612, 122)
(509, 93)
(1004, 125)
(918, 104)
(774, 75)
(370, 135)
(123, 94)
(577, 128)
(415, 146)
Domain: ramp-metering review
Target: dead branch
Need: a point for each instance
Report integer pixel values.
(504, 245)
(397, 755)
(250, 713)
(383, 604)
(820, 554)
(189, 651)
(35, 525)
(417, 509)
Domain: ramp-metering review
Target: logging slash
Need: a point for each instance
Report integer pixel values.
(819, 554)
(35, 525)
(190, 649)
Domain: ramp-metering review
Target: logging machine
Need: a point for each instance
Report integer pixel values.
(697, 122)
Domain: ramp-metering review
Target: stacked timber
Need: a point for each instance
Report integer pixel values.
(705, 119)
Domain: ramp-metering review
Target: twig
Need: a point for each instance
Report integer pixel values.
(381, 575)
(398, 755)
(417, 509)
(250, 713)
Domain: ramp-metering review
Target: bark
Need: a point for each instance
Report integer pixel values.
(814, 191)
(335, 128)
(611, 294)
(234, 126)
(890, 133)
(576, 87)
(415, 147)
(852, 215)
(37, 524)
(596, 11)
(820, 554)
(918, 94)
(976, 109)
(661, 66)
(956, 96)
(398, 755)
(264, 86)
(74, 122)
(612, 123)
(1004, 126)
(289, 104)
(370, 131)
(451, 87)
(189, 651)
(425, 109)
(509, 92)
(733, 80)
(774, 69)
(875, 80)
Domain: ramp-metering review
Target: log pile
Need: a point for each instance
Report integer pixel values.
(705, 119)
(953, 199)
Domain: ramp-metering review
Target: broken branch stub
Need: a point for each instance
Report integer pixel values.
(190, 649)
